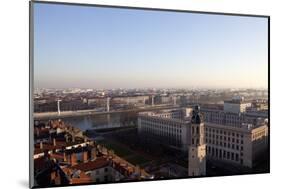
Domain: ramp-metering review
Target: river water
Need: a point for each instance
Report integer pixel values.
(89, 122)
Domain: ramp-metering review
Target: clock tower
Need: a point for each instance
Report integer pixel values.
(197, 147)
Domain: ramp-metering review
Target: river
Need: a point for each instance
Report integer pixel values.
(88, 122)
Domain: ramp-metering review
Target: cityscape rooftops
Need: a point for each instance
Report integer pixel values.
(76, 176)
(92, 165)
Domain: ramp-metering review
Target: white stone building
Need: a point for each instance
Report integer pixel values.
(240, 145)
(236, 138)
(182, 129)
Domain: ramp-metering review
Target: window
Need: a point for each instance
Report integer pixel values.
(105, 169)
(216, 152)
(236, 157)
(97, 172)
(232, 156)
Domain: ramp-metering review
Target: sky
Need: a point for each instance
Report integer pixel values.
(97, 47)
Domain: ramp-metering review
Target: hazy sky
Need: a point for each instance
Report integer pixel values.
(89, 47)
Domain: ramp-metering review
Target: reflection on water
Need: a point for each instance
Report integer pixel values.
(103, 121)
(94, 121)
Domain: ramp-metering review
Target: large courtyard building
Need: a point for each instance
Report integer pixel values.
(239, 138)
(172, 126)
(181, 129)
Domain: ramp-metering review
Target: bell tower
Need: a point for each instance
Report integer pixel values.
(197, 147)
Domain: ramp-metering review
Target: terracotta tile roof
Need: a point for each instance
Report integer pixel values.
(83, 178)
(57, 156)
(92, 165)
(50, 146)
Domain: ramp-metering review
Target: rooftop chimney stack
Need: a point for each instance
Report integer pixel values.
(41, 145)
(37, 131)
(54, 142)
(73, 159)
(93, 153)
(64, 157)
(85, 156)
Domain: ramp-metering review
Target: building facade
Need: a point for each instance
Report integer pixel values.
(236, 106)
(166, 125)
(238, 138)
(240, 145)
(182, 129)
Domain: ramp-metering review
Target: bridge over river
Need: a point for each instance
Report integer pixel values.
(66, 114)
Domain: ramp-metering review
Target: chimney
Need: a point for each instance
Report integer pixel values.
(73, 159)
(73, 138)
(137, 170)
(54, 142)
(85, 156)
(64, 157)
(41, 145)
(37, 131)
(93, 153)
